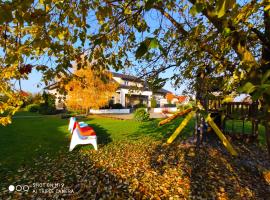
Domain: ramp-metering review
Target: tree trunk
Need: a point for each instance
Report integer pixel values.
(264, 68)
(267, 135)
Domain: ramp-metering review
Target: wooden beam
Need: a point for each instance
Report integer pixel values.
(221, 136)
(181, 127)
(178, 114)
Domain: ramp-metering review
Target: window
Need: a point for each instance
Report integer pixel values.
(126, 82)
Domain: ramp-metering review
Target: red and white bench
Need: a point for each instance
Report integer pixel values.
(72, 120)
(82, 135)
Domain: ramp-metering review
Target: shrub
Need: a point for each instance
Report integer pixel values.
(66, 115)
(117, 106)
(48, 107)
(46, 110)
(141, 115)
(169, 105)
(153, 103)
(32, 108)
(182, 107)
(140, 105)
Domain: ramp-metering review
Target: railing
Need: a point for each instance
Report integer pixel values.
(240, 110)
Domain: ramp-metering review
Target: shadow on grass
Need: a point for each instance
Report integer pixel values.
(151, 129)
(103, 136)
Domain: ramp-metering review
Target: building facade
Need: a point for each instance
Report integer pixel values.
(130, 92)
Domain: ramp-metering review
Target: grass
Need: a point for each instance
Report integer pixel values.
(111, 129)
(29, 137)
(237, 124)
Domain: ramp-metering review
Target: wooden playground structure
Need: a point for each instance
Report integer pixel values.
(216, 114)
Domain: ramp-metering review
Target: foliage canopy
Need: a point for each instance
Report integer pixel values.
(219, 37)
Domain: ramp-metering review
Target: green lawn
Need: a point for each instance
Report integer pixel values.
(236, 125)
(34, 149)
(29, 137)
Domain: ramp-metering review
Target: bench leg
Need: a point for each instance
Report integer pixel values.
(74, 140)
(94, 143)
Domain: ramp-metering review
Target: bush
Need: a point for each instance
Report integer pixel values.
(153, 103)
(169, 105)
(117, 106)
(48, 107)
(46, 110)
(140, 105)
(66, 116)
(182, 107)
(32, 108)
(141, 115)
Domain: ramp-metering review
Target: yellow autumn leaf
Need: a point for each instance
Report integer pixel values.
(267, 7)
(61, 36)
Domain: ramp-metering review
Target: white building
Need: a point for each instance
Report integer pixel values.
(131, 91)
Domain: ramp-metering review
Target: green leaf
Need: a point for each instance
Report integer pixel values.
(98, 41)
(256, 95)
(193, 10)
(196, 8)
(247, 87)
(266, 76)
(226, 31)
(143, 48)
(148, 43)
(199, 7)
(154, 43)
(223, 6)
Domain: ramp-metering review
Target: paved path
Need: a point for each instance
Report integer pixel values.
(130, 116)
(157, 115)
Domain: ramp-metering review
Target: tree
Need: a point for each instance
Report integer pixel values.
(222, 37)
(32, 31)
(48, 106)
(154, 83)
(169, 97)
(89, 91)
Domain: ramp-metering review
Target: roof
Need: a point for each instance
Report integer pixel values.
(163, 91)
(160, 91)
(51, 87)
(126, 77)
(136, 79)
(24, 94)
(123, 77)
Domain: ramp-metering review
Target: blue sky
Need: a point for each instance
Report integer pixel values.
(152, 20)
(31, 85)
